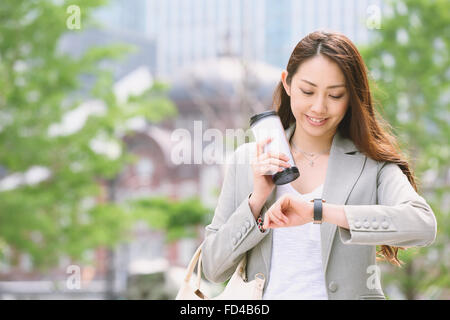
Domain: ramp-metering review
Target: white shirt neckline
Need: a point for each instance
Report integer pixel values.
(296, 262)
(305, 194)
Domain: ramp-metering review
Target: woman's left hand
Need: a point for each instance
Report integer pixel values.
(288, 211)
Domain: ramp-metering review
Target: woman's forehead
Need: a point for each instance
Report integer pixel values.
(321, 71)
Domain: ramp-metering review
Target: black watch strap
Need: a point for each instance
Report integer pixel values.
(317, 210)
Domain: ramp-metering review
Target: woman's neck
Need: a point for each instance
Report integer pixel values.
(311, 144)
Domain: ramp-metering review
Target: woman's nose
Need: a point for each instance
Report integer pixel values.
(319, 107)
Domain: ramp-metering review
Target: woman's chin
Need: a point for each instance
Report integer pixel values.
(313, 131)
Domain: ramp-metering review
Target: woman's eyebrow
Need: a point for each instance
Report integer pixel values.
(329, 87)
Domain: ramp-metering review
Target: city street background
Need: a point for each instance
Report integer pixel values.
(92, 205)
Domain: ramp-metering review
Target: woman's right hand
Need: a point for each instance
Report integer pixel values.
(264, 165)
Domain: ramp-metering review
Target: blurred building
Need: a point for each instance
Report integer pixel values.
(211, 94)
(186, 31)
(223, 59)
(288, 21)
(125, 16)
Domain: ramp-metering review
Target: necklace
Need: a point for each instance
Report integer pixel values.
(309, 156)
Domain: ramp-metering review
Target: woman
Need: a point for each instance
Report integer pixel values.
(348, 161)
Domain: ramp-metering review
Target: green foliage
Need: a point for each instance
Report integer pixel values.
(152, 103)
(39, 88)
(409, 62)
(178, 218)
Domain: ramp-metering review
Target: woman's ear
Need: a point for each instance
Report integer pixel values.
(287, 88)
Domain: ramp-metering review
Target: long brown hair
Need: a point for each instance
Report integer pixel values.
(362, 124)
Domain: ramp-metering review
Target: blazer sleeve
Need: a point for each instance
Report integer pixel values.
(233, 230)
(401, 218)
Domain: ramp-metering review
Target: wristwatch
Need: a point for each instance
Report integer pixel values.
(317, 210)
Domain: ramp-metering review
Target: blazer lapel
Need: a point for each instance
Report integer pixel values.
(345, 165)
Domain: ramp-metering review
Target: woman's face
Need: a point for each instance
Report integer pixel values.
(319, 96)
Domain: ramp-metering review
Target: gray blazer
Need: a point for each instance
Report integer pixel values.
(380, 204)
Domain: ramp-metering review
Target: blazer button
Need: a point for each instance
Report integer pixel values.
(248, 224)
(385, 225)
(234, 241)
(243, 229)
(375, 225)
(238, 235)
(357, 224)
(333, 286)
(366, 224)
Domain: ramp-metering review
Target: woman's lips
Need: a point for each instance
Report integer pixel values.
(316, 124)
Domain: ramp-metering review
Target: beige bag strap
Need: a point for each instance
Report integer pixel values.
(196, 258)
(240, 270)
(241, 267)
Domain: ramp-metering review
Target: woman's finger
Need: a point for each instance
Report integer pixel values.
(270, 166)
(260, 146)
(266, 223)
(268, 170)
(273, 217)
(269, 154)
(277, 162)
(280, 216)
(271, 223)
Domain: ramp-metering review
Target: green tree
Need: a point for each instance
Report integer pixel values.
(409, 62)
(60, 213)
(178, 218)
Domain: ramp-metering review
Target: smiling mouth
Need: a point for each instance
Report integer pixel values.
(316, 120)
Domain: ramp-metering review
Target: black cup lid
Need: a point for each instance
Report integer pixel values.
(286, 176)
(259, 116)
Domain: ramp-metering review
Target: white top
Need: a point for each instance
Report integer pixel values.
(296, 265)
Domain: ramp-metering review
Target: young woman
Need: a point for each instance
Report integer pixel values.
(350, 167)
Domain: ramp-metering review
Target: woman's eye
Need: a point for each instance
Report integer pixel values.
(307, 92)
(336, 97)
